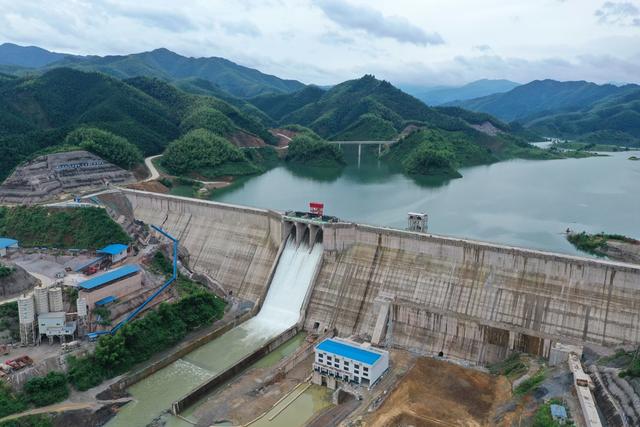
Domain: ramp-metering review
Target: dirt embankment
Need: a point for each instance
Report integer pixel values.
(243, 139)
(436, 393)
(622, 251)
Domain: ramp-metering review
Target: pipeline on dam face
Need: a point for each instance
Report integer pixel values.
(280, 311)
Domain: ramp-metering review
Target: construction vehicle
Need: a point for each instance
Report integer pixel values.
(19, 362)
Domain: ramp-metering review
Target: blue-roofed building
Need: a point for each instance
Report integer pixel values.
(7, 244)
(559, 413)
(115, 283)
(116, 252)
(340, 360)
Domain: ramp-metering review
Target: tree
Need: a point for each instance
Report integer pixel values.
(113, 148)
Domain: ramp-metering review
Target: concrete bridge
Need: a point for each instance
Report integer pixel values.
(361, 143)
(431, 294)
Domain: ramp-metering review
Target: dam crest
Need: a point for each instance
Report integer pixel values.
(430, 294)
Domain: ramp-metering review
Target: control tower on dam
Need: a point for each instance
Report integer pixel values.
(432, 294)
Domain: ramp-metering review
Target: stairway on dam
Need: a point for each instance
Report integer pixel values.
(280, 311)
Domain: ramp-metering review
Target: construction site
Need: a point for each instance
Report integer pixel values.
(332, 323)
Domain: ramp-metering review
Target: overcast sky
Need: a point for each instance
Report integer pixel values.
(421, 42)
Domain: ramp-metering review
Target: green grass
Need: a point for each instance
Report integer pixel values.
(86, 228)
(530, 384)
(512, 367)
(543, 417)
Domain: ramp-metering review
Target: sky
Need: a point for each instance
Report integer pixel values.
(426, 43)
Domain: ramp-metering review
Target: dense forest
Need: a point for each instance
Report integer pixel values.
(601, 114)
(40, 112)
(309, 149)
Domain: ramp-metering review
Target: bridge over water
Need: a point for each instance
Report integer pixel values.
(361, 143)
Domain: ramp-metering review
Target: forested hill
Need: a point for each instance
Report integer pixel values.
(38, 112)
(542, 97)
(612, 120)
(235, 79)
(604, 114)
(366, 108)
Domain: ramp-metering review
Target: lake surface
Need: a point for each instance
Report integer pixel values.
(528, 203)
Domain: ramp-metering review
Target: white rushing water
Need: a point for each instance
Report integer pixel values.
(280, 311)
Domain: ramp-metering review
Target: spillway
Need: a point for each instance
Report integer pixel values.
(280, 311)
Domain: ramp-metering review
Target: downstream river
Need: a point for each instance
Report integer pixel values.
(526, 203)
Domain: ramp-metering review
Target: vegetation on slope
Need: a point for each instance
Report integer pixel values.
(37, 391)
(305, 149)
(614, 120)
(235, 79)
(9, 319)
(431, 152)
(110, 147)
(278, 105)
(205, 153)
(89, 228)
(206, 112)
(38, 112)
(596, 244)
(591, 113)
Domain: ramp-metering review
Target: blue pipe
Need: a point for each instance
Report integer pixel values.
(93, 335)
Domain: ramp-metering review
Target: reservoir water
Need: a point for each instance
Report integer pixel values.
(527, 203)
(280, 311)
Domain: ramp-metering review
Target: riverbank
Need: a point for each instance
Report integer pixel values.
(613, 246)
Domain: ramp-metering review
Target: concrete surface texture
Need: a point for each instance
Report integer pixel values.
(234, 245)
(468, 299)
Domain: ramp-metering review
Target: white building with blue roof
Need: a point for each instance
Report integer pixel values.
(116, 252)
(347, 361)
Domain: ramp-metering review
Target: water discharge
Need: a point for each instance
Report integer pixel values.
(279, 312)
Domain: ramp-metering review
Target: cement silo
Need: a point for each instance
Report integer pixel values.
(26, 318)
(41, 294)
(55, 300)
(81, 303)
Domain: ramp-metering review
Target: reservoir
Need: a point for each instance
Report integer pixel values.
(528, 203)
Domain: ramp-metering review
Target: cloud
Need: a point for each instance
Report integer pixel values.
(619, 13)
(164, 19)
(243, 28)
(371, 21)
(334, 38)
(482, 48)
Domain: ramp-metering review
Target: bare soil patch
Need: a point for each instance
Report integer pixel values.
(436, 393)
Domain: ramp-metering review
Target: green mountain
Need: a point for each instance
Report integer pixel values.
(230, 77)
(27, 56)
(542, 97)
(365, 108)
(612, 120)
(279, 105)
(604, 114)
(37, 113)
(440, 95)
(239, 81)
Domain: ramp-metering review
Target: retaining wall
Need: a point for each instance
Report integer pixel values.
(207, 387)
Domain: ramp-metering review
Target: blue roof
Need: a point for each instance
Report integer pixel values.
(111, 276)
(349, 351)
(558, 411)
(113, 249)
(106, 300)
(5, 243)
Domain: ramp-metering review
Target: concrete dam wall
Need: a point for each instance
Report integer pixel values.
(469, 299)
(236, 246)
(472, 300)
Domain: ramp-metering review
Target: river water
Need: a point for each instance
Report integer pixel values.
(527, 203)
(280, 311)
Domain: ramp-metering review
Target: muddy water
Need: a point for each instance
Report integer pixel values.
(297, 408)
(280, 311)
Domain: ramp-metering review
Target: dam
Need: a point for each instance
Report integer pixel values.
(430, 294)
